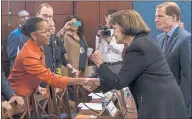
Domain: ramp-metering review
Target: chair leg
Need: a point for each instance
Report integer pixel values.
(54, 101)
(66, 100)
(35, 107)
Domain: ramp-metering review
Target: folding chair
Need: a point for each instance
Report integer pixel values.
(40, 103)
(62, 102)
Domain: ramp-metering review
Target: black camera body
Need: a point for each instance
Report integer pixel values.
(105, 31)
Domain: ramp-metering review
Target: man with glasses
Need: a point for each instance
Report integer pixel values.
(16, 36)
(45, 11)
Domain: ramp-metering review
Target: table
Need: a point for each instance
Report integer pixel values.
(85, 114)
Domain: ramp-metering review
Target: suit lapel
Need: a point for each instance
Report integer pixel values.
(172, 41)
(161, 40)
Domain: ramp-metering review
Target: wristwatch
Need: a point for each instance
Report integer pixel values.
(14, 95)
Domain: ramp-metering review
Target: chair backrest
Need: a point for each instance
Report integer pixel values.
(122, 104)
(61, 101)
(40, 102)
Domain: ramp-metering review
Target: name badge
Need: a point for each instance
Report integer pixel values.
(82, 50)
(112, 109)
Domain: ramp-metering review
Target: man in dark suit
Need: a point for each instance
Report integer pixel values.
(15, 37)
(144, 70)
(176, 45)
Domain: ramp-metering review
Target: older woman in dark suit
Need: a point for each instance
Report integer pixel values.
(144, 70)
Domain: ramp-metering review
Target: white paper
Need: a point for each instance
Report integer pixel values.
(96, 95)
(94, 106)
(112, 109)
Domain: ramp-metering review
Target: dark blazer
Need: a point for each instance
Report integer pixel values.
(6, 89)
(146, 72)
(14, 40)
(178, 56)
(54, 55)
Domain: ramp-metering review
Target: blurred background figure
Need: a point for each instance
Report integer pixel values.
(16, 37)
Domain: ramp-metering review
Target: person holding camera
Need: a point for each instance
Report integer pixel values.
(76, 47)
(106, 44)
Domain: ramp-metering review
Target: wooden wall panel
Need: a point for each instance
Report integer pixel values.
(60, 21)
(105, 6)
(5, 32)
(16, 6)
(88, 12)
(30, 7)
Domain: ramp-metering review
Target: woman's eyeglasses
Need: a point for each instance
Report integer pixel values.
(44, 31)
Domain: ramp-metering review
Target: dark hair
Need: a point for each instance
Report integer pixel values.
(30, 26)
(80, 31)
(111, 11)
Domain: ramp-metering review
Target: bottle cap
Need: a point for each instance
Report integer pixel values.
(92, 117)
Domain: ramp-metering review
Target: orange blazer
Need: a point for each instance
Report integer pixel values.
(29, 70)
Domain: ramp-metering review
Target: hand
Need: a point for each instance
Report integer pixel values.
(57, 90)
(91, 84)
(6, 105)
(97, 58)
(67, 26)
(99, 33)
(76, 72)
(41, 90)
(19, 100)
(107, 39)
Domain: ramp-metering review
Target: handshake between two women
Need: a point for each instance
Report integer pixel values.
(90, 84)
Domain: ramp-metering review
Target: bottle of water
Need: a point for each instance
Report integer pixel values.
(104, 102)
(127, 97)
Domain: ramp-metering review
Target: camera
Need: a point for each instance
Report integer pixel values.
(105, 31)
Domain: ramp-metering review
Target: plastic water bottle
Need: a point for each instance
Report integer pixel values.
(127, 97)
(105, 101)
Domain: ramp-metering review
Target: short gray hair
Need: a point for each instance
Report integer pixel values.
(21, 12)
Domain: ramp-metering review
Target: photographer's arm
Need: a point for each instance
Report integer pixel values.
(117, 48)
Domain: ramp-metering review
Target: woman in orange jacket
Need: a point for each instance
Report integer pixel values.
(29, 68)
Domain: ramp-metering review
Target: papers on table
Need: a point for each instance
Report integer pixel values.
(94, 106)
(96, 95)
(112, 109)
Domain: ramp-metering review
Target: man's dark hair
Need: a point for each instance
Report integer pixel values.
(31, 25)
(111, 11)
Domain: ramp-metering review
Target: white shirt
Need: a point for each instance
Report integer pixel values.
(111, 52)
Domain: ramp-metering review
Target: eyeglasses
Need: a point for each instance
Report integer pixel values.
(46, 16)
(44, 31)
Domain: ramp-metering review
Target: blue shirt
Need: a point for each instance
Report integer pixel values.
(14, 39)
(171, 32)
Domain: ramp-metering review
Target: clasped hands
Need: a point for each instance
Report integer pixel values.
(91, 84)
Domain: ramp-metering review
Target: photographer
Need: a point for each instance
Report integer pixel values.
(106, 44)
